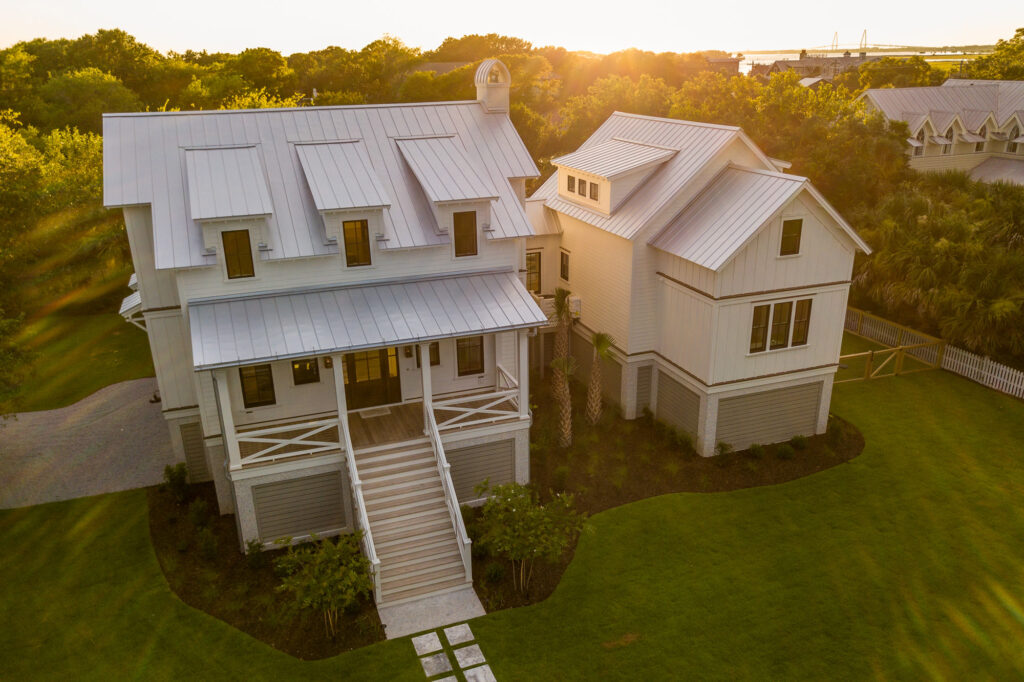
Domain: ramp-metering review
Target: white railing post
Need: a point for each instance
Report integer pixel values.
(227, 420)
(523, 365)
(450, 498)
(428, 398)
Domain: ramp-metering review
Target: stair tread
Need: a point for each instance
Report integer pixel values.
(424, 589)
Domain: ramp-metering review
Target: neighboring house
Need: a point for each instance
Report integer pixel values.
(809, 66)
(970, 125)
(294, 265)
(723, 281)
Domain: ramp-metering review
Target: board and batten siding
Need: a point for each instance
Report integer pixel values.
(299, 506)
(686, 329)
(678, 406)
(643, 388)
(768, 416)
(493, 462)
(157, 287)
(611, 370)
(171, 346)
(195, 452)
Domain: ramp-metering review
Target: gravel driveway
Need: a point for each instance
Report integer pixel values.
(113, 440)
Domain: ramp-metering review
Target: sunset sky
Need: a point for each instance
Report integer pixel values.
(598, 26)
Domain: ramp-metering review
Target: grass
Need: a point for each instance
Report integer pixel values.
(853, 368)
(76, 355)
(904, 563)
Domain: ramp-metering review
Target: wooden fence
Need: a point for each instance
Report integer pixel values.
(929, 350)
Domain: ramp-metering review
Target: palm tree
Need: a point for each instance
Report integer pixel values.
(563, 318)
(563, 369)
(602, 343)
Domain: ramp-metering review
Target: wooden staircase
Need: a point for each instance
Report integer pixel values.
(411, 526)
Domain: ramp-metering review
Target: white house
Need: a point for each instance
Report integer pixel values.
(294, 265)
(970, 125)
(723, 280)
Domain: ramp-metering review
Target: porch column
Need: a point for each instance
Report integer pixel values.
(428, 398)
(227, 420)
(524, 373)
(339, 394)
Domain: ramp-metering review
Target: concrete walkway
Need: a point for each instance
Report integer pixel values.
(430, 612)
(113, 440)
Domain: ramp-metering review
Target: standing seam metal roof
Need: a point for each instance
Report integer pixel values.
(226, 183)
(614, 158)
(444, 172)
(964, 97)
(340, 176)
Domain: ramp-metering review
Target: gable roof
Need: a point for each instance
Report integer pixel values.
(730, 210)
(614, 158)
(695, 144)
(144, 163)
(971, 100)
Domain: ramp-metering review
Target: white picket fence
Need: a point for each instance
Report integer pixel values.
(977, 368)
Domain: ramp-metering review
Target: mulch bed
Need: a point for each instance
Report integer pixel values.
(228, 588)
(617, 462)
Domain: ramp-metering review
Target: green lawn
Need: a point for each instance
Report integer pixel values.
(906, 563)
(77, 355)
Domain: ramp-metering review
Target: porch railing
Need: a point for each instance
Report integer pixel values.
(480, 408)
(450, 498)
(362, 518)
(287, 440)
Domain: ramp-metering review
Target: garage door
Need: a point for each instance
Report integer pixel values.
(299, 506)
(769, 416)
(495, 462)
(678, 406)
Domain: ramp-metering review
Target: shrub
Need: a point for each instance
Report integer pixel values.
(176, 482)
(198, 513)
(206, 541)
(560, 478)
(798, 442)
(494, 573)
(756, 451)
(326, 575)
(785, 451)
(682, 440)
(255, 557)
(723, 448)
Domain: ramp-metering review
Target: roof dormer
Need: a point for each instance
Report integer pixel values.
(604, 175)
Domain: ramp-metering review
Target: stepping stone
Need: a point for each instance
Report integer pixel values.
(458, 634)
(469, 655)
(450, 678)
(481, 674)
(426, 644)
(436, 664)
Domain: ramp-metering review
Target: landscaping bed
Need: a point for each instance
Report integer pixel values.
(617, 462)
(224, 583)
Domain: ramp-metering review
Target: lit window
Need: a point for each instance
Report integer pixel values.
(570, 184)
(435, 355)
(791, 230)
(305, 371)
(257, 385)
(564, 267)
(533, 272)
(470, 355)
(465, 233)
(759, 328)
(237, 253)
(593, 191)
(357, 242)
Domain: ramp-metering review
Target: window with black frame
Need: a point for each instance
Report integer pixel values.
(257, 385)
(469, 353)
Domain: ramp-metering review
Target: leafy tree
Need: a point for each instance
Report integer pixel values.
(78, 99)
(894, 72)
(325, 575)
(1005, 63)
(474, 47)
(602, 344)
(260, 99)
(264, 69)
(516, 526)
(15, 78)
(384, 63)
(116, 52)
(581, 115)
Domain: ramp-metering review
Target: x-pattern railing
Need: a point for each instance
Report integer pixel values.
(289, 440)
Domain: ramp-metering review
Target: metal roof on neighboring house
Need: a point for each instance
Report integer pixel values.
(971, 100)
(340, 176)
(614, 158)
(1005, 170)
(444, 171)
(143, 163)
(226, 183)
(249, 329)
(696, 144)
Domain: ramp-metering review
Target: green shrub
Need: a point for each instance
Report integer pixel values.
(206, 541)
(560, 478)
(756, 451)
(723, 448)
(176, 482)
(798, 442)
(785, 451)
(198, 513)
(255, 557)
(494, 573)
(682, 440)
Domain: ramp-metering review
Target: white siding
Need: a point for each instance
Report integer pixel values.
(549, 249)
(207, 398)
(686, 329)
(157, 288)
(172, 358)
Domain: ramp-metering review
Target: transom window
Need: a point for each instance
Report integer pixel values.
(257, 385)
(305, 371)
(465, 233)
(570, 184)
(435, 355)
(791, 230)
(563, 266)
(469, 353)
(357, 242)
(237, 253)
(780, 325)
(533, 272)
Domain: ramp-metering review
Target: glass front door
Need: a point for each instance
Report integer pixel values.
(371, 378)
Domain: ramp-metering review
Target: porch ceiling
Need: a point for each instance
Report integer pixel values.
(260, 328)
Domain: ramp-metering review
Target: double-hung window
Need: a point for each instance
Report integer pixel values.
(469, 353)
(257, 385)
(435, 355)
(791, 230)
(533, 272)
(563, 266)
(784, 324)
(581, 188)
(570, 184)
(357, 242)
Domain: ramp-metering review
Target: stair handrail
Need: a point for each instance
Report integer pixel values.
(450, 498)
(362, 518)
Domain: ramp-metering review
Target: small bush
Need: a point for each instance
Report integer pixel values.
(723, 448)
(183, 544)
(682, 440)
(798, 442)
(206, 541)
(255, 557)
(176, 482)
(494, 573)
(756, 451)
(559, 478)
(785, 451)
(198, 513)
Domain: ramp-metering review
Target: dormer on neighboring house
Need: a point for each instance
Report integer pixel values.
(602, 176)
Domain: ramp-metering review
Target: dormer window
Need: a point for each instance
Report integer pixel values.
(237, 254)
(919, 150)
(1011, 146)
(593, 191)
(791, 230)
(357, 242)
(951, 136)
(581, 188)
(464, 229)
(570, 184)
(980, 146)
